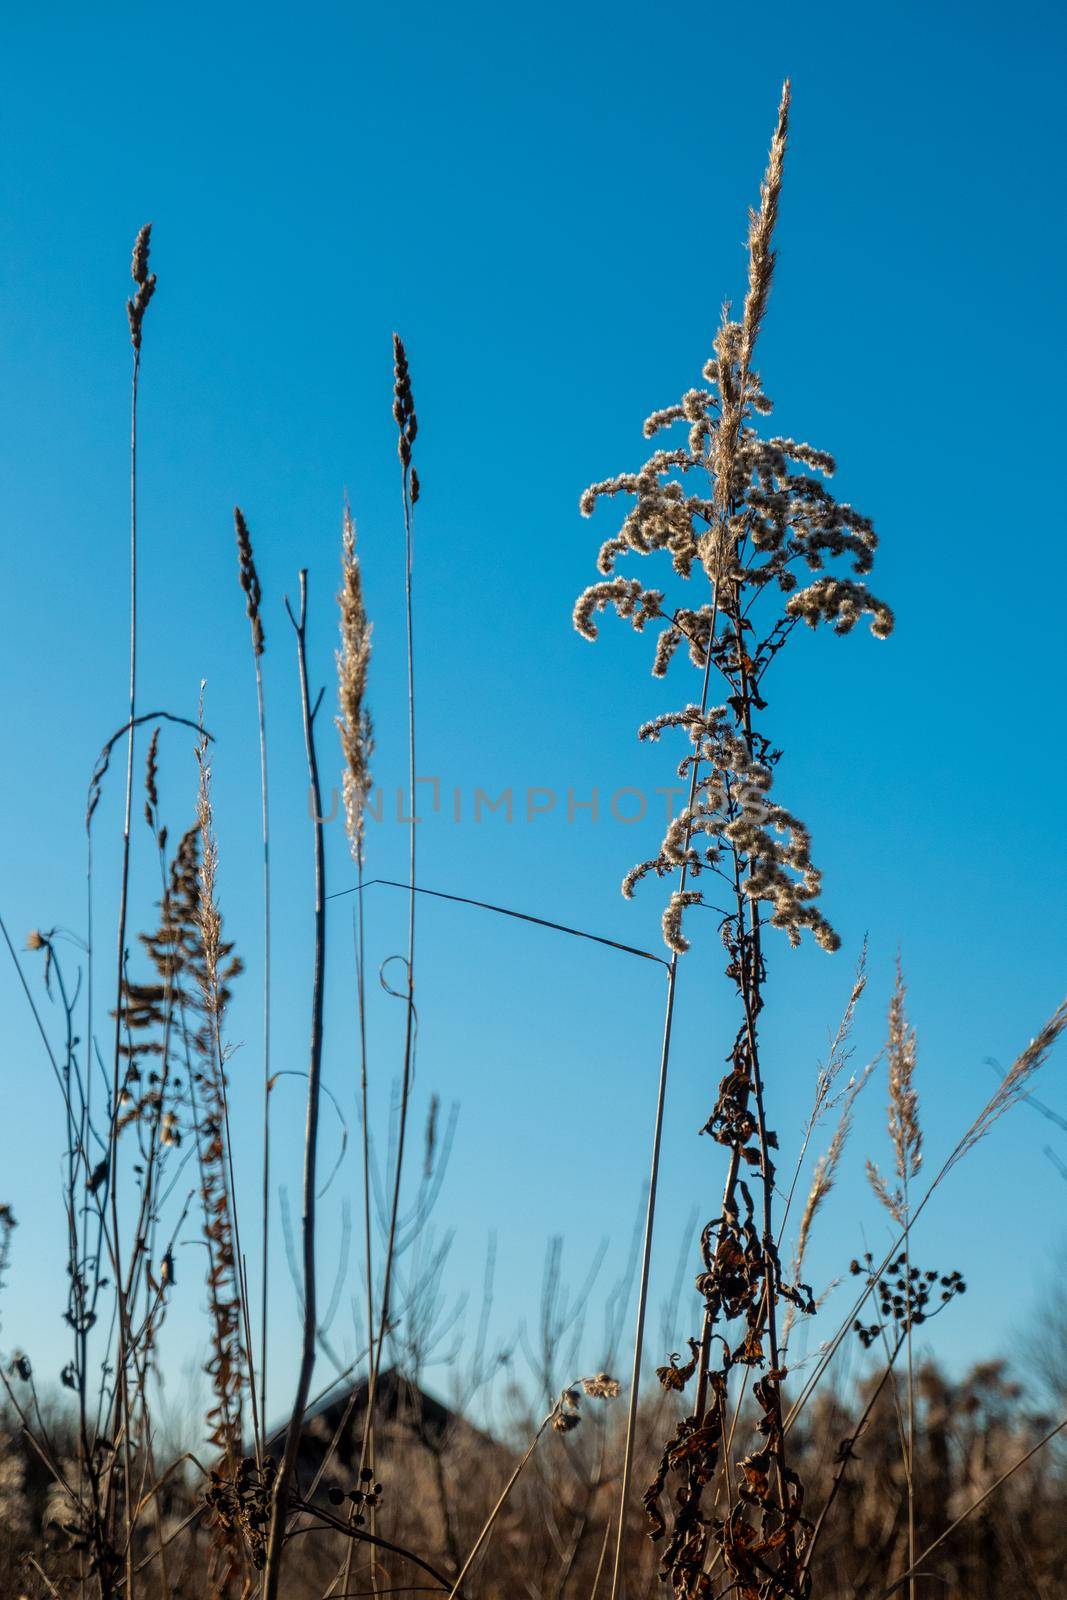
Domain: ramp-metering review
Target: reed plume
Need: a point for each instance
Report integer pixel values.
(354, 723)
(824, 1177)
(905, 1130)
(356, 730)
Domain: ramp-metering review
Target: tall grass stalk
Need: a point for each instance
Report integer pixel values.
(284, 1479)
(249, 581)
(1011, 1089)
(563, 1415)
(650, 1217)
(136, 307)
(407, 428)
(356, 729)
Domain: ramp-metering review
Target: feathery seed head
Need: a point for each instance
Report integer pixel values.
(602, 1387)
(353, 660)
(904, 1127)
(761, 257)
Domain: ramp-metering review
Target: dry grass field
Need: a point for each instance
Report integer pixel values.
(712, 1450)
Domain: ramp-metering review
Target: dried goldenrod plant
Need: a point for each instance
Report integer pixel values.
(748, 516)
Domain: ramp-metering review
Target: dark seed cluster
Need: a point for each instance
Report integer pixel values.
(905, 1295)
(361, 1500)
(249, 579)
(145, 281)
(404, 412)
(243, 1503)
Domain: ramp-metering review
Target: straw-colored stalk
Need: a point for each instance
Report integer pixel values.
(248, 578)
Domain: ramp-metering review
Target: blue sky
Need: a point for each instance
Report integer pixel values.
(551, 207)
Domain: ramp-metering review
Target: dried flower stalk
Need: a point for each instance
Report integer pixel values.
(761, 511)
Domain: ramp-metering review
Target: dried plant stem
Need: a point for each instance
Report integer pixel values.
(409, 495)
(520, 1466)
(603, 1557)
(265, 1239)
(1009, 1090)
(248, 578)
(504, 911)
(845, 1456)
(121, 1391)
(752, 1005)
(642, 1290)
(973, 1507)
(136, 308)
(910, 1474)
(377, 1542)
(210, 922)
(280, 1498)
(653, 1182)
(368, 1258)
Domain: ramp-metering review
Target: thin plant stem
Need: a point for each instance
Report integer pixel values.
(603, 1557)
(973, 1507)
(265, 1239)
(1023, 1069)
(519, 1468)
(248, 578)
(504, 911)
(280, 1496)
(121, 1392)
(408, 503)
(365, 1115)
(911, 1398)
(650, 1214)
(845, 1456)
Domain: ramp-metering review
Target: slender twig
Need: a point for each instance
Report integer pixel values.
(973, 1507)
(603, 1557)
(505, 911)
(404, 414)
(650, 1215)
(379, 1543)
(280, 1497)
(845, 1455)
(909, 1477)
(554, 1412)
(1010, 1090)
(249, 581)
(265, 1242)
(361, 1003)
(136, 309)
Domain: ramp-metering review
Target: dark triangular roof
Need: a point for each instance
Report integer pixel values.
(401, 1406)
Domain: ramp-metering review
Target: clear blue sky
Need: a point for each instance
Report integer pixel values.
(551, 206)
